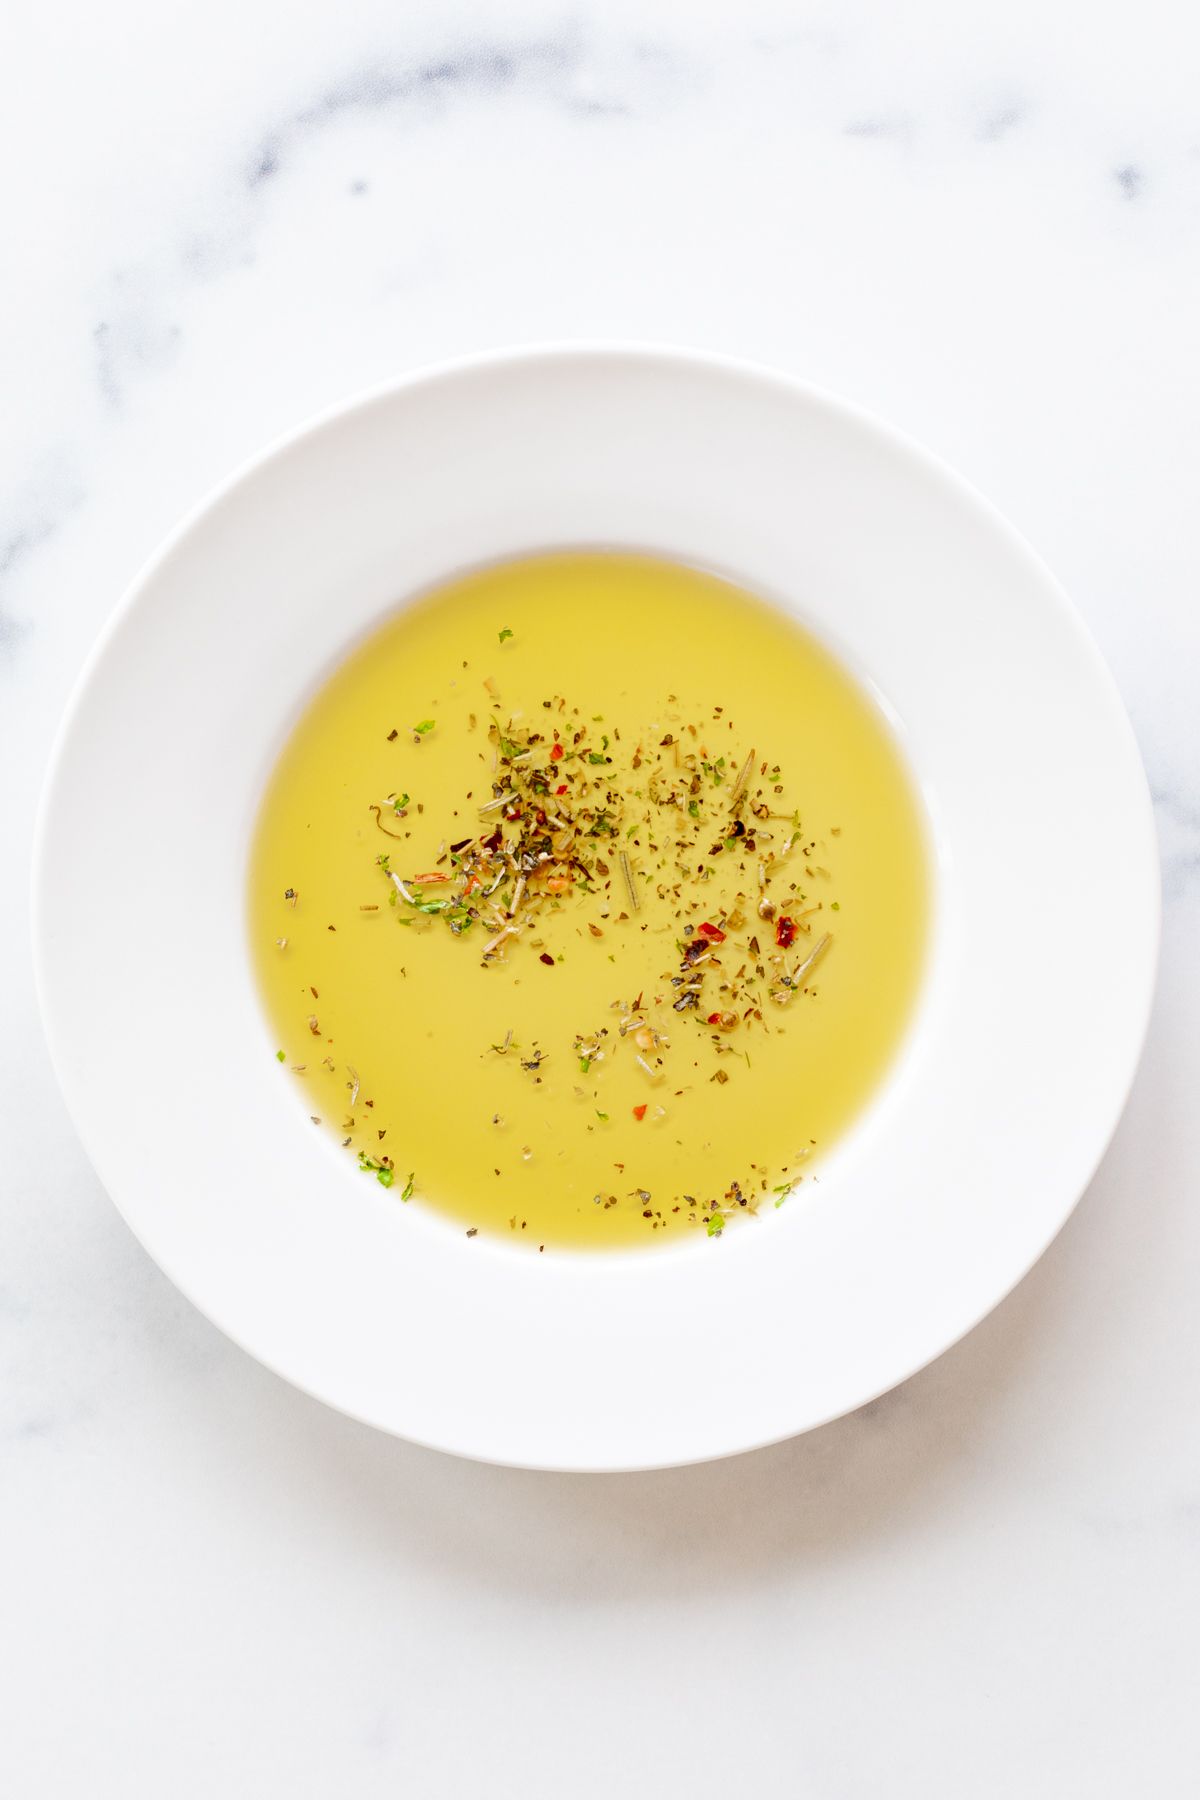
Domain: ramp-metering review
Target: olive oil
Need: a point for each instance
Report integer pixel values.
(588, 901)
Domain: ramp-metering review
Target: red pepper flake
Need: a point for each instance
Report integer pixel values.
(546, 958)
(561, 788)
(785, 931)
(714, 1018)
(713, 933)
(556, 753)
(639, 1112)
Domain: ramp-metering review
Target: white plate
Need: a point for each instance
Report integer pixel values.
(960, 1173)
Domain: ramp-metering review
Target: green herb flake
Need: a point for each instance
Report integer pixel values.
(506, 633)
(407, 1192)
(716, 1224)
(280, 1057)
(382, 1171)
(424, 726)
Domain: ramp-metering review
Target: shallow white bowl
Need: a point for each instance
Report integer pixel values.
(972, 1155)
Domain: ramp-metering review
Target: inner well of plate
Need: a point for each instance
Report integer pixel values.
(588, 903)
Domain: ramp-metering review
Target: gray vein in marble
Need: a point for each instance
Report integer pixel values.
(130, 338)
(20, 544)
(38, 1425)
(600, 108)
(1130, 181)
(560, 69)
(896, 129)
(1177, 816)
(44, 516)
(12, 630)
(486, 70)
(998, 123)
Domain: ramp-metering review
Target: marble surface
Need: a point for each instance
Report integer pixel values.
(982, 222)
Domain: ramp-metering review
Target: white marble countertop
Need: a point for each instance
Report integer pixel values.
(982, 222)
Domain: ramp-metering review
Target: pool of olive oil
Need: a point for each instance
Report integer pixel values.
(588, 903)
